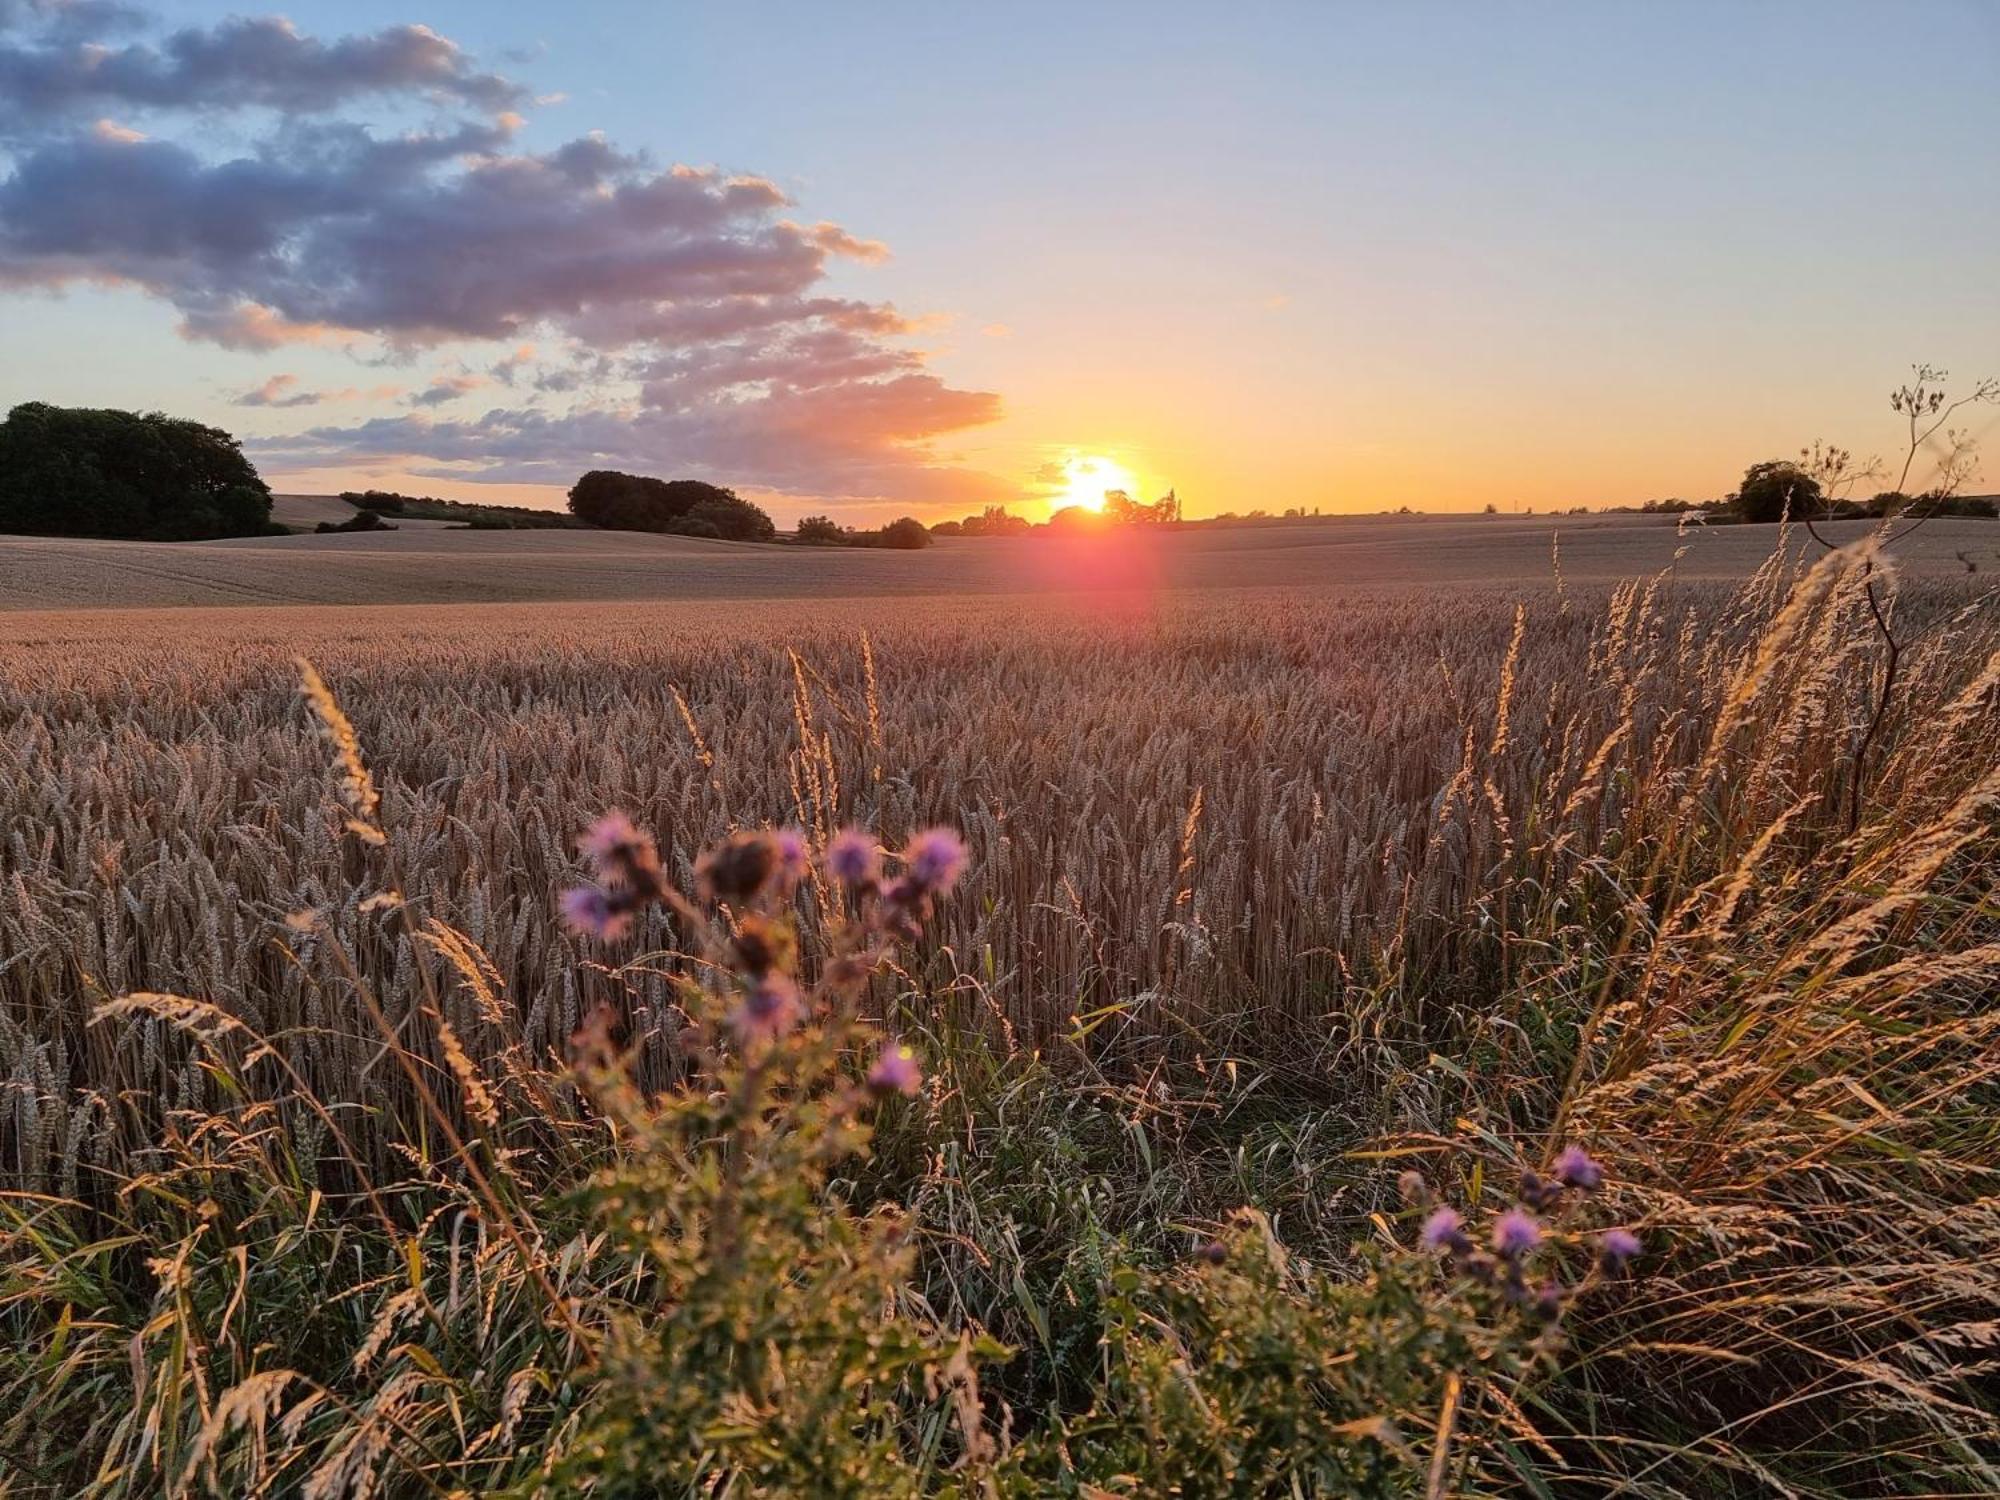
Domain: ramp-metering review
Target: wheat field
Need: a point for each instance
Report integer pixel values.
(432, 563)
(1447, 871)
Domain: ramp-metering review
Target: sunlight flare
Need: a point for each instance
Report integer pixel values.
(1088, 477)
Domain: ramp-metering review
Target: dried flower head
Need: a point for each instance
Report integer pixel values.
(1414, 1189)
(739, 869)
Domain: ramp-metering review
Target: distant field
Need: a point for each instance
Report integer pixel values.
(431, 563)
(307, 511)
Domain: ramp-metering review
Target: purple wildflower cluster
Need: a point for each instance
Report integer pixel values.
(1518, 1233)
(748, 879)
(626, 864)
(896, 907)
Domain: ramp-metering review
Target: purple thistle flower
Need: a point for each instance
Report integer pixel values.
(852, 859)
(589, 911)
(896, 1071)
(1443, 1231)
(1616, 1248)
(1515, 1233)
(770, 1008)
(794, 855)
(1575, 1168)
(602, 841)
(935, 859)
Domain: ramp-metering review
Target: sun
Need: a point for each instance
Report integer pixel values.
(1087, 476)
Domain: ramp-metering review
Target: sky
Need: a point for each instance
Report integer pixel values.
(894, 259)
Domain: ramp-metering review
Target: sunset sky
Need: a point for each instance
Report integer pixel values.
(885, 259)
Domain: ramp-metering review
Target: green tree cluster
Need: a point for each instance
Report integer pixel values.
(81, 471)
(679, 507)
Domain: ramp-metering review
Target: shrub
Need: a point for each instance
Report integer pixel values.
(1773, 490)
(101, 473)
(638, 502)
(906, 534)
(821, 531)
(730, 517)
(365, 520)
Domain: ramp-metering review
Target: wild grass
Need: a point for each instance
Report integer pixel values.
(1267, 900)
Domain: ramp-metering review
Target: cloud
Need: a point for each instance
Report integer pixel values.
(677, 306)
(507, 370)
(445, 388)
(997, 331)
(278, 391)
(64, 71)
(281, 391)
(250, 326)
(837, 241)
(857, 440)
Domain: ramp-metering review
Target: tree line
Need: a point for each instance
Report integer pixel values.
(92, 472)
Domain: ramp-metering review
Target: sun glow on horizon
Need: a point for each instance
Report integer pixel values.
(1086, 478)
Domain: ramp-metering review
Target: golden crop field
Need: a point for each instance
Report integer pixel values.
(424, 563)
(1267, 887)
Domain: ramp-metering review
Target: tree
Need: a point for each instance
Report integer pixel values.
(995, 520)
(733, 518)
(1773, 490)
(368, 519)
(684, 507)
(906, 533)
(1121, 509)
(80, 471)
(821, 531)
